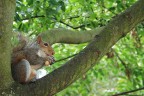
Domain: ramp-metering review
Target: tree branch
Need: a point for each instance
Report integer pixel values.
(86, 59)
(32, 17)
(127, 69)
(124, 93)
(81, 26)
(123, 63)
(61, 35)
(27, 18)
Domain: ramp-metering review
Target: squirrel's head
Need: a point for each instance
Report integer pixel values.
(45, 47)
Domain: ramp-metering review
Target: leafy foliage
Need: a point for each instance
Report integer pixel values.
(122, 71)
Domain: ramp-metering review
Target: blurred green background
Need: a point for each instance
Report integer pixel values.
(120, 70)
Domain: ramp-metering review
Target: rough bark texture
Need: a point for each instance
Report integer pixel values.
(7, 8)
(73, 69)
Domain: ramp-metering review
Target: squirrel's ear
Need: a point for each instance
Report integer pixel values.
(39, 39)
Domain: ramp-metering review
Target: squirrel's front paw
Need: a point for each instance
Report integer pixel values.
(50, 60)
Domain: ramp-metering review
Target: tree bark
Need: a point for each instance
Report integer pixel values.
(7, 10)
(61, 35)
(86, 59)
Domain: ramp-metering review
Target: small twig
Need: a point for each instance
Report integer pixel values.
(27, 18)
(66, 24)
(73, 17)
(123, 93)
(66, 58)
(81, 26)
(127, 69)
(123, 63)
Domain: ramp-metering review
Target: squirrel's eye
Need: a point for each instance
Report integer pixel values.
(46, 44)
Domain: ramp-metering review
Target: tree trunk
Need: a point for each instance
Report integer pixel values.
(7, 10)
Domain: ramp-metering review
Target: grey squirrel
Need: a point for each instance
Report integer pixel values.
(27, 58)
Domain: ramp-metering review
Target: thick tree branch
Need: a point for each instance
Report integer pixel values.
(61, 35)
(86, 59)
